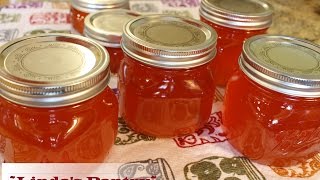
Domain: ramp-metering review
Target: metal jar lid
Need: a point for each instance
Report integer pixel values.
(238, 14)
(106, 27)
(169, 41)
(89, 6)
(52, 70)
(284, 64)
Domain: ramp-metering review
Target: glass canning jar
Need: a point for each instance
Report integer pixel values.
(106, 27)
(234, 21)
(272, 105)
(55, 105)
(81, 8)
(165, 83)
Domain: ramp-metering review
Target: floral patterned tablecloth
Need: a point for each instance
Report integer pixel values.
(204, 155)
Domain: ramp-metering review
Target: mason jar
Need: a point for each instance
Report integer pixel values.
(234, 21)
(55, 103)
(272, 104)
(106, 27)
(81, 8)
(165, 83)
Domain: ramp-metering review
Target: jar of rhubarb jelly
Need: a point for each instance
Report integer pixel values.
(81, 8)
(234, 21)
(272, 105)
(106, 27)
(166, 87)
(55, 105)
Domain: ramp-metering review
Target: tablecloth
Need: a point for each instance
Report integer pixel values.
(204, 155)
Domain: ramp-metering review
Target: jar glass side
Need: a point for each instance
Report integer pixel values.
(270, 127)
(229, 48)
(164, 102)
(77, 19)
(83, 132)
(116, 56)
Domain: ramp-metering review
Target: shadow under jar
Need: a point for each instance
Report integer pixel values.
(272, 104)
(81, 8)
(234, 21)
(55, 104)
(165, 83)
(106, 27)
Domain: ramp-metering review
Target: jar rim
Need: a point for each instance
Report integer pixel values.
(52, 70)
(190, 43)
(95, 5)
(249, 15)
(284, 64)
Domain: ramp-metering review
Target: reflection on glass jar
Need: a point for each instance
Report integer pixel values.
(234, 21)
(272, 105)
(81, 8)
(55, 104)
(165, 83)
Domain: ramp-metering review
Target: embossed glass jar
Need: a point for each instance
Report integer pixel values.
(55, 105)
(81, 8)
(106, 27)
(234, 21)
(272, 105)
(165, 83)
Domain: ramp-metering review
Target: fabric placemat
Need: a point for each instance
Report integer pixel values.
(204, 155)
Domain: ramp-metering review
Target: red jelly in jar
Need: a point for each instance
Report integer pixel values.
(165, 83)
(81, 8)
(55, 105)
(272, 105)
(234, 21)
(106, 27)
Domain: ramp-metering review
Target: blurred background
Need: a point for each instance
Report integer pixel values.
(300, 18)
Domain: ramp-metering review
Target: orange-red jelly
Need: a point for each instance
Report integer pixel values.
(116, 57)
(106, 27)
(82, 132)
(77, 19)
(57, 107)
(81, 8)
(166, 87)
(234, 21)
(229, 47)
(165, 102)
(273, 118)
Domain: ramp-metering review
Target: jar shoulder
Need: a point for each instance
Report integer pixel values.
(34, 124)
(267, 105)
(145, 78)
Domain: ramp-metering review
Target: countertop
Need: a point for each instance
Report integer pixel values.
(299, 18)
